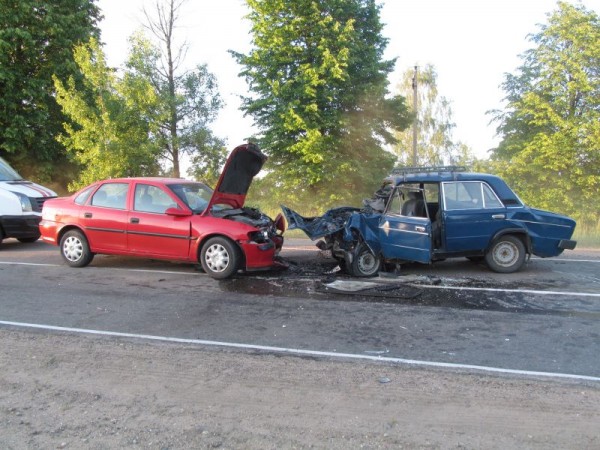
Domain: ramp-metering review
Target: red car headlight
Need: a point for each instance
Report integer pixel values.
(260, 236)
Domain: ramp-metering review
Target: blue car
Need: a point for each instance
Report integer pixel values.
(430, 214)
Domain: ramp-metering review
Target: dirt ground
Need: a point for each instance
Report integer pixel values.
(69, 391)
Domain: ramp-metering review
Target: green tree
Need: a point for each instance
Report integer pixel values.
(551, 125)
(320, 99)
(189, 99)
(435, 141)
(36, 42)
(112, 120)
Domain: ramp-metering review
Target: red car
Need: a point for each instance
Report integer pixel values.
(169, 218)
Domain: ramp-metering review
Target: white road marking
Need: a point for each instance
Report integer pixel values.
(296, 351)
(169, 272)
(566, 260)
(424, 286)
(12, 263)
(512, 291)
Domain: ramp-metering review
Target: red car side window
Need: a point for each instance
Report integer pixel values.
(152, 199)
(111, 195)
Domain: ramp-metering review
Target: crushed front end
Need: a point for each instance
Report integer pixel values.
(264, 242)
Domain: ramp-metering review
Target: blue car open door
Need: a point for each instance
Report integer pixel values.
(405, 229)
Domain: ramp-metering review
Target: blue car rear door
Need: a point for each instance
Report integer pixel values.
(473, 214)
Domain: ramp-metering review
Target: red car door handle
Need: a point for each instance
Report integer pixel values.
(134, 220)
(87, 215)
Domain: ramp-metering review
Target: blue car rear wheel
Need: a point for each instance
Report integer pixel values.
(506, 255)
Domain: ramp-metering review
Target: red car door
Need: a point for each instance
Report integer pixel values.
(104, 218)
(152, 232)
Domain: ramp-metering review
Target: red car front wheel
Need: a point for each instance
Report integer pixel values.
(220, 258)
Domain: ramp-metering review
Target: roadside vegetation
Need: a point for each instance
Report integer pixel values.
(320, 96)
(587, 237)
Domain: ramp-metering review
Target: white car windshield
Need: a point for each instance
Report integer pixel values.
(7, 173)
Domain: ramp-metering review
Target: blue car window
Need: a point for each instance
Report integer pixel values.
(407, 201)
(432, 193)
(463, 195)
(490, 198)
(395, 203)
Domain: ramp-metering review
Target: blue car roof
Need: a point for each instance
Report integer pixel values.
(504, 192)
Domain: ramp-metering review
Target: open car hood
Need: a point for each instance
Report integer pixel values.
(244, 162)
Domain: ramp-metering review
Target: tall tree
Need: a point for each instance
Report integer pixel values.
(36, 42)
(190, 99)
(320, 99)
(112, 120)
(551, 125)
(435, 140)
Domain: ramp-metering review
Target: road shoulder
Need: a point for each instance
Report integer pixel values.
(67, 391)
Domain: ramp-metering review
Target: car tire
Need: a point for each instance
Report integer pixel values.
(28, 240)
(365, 263)
(75, 250)
(506, 254)
(220, 258)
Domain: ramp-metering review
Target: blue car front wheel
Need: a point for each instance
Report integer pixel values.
(365, 263)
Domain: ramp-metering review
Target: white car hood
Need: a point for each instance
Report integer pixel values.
(28, 188)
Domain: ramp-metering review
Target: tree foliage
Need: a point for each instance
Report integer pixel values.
(435, 141)
(36, 42)
(130, 122)
(550, 148)
(189, 99)
(112, 120)
(320, 99)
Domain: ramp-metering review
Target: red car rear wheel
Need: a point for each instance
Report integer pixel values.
(75, 250)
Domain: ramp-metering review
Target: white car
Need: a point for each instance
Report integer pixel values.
(21, 204)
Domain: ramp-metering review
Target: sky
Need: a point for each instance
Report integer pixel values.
(471, 43)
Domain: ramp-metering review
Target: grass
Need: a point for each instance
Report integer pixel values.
(587, 237)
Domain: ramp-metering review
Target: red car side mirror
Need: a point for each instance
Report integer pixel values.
(177, 212)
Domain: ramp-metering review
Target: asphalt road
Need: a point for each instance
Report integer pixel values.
(543, 319)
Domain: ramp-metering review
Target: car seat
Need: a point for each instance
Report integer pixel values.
(100, 199)
(414, 206)
(145, 203)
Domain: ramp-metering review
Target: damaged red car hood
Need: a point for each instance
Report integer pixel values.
(244, 162)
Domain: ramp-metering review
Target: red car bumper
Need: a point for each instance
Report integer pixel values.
(261, 256)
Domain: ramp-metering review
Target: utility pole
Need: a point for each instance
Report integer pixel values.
(415, 121)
